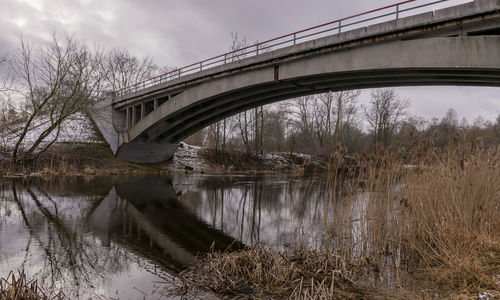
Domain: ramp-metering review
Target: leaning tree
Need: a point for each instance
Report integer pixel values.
(55, 81)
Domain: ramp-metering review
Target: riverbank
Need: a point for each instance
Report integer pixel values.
(95, 158)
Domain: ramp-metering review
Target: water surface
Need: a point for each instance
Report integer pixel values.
(127, 237)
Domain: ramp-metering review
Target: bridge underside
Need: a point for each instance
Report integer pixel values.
(177, 126)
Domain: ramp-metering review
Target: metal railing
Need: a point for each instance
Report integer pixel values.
(290, 39)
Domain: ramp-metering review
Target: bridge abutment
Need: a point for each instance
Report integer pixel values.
(108, 121)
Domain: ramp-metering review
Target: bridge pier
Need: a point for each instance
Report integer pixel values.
(146, 152)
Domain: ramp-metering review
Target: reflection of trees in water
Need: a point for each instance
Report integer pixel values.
(69, 257)
(271, 209)
(79, 242)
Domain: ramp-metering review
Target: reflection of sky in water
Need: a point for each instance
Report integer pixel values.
(50, 236)
(271, 209)
(122, 237)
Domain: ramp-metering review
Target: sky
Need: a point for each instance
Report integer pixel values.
(180, 32)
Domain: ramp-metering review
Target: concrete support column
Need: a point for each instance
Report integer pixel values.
(127, 119)
(155, 105)
(133, 116)
(143, 110)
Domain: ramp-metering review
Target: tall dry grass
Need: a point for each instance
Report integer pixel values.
(437, 219)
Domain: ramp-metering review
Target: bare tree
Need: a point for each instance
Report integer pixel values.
(274, 135)
(445, 131)
(302, 123)
(385, 114)
(345, 115)
(125, 69)
(3, 76)
(496, 126)
(219, 132)
(323, 120)
(4, 109)
(243, 123)
(55, 81)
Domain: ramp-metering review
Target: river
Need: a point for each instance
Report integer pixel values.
(128, 237)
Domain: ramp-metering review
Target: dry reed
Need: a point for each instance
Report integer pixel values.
(18, 287)
(261, 272)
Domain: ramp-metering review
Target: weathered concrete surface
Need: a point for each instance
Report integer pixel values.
(146, 152)
(108, 121)
(454, 46)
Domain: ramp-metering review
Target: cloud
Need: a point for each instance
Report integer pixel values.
(179, 32)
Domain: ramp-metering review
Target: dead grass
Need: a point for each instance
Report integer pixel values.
(261, 272)
(18, 287)
(439, 220)
(77, 159)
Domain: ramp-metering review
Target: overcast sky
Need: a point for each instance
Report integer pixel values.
(179, 32)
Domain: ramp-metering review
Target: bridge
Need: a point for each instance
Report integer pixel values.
(385, 47)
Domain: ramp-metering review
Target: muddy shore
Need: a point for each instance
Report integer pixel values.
(97, 159)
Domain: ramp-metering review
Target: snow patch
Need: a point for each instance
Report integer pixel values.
(485, 296)
(286, 161)
(187, 157)
(76, 128)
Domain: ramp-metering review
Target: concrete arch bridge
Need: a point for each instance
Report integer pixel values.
(457, 45)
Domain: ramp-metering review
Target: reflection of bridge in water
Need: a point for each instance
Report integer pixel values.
(145, 213)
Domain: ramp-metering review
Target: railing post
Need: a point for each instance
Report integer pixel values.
(257, 49)
(340, 25)
(225, 57)
(179, 72)
(201, 65)
(397, 11)
(294, 38)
